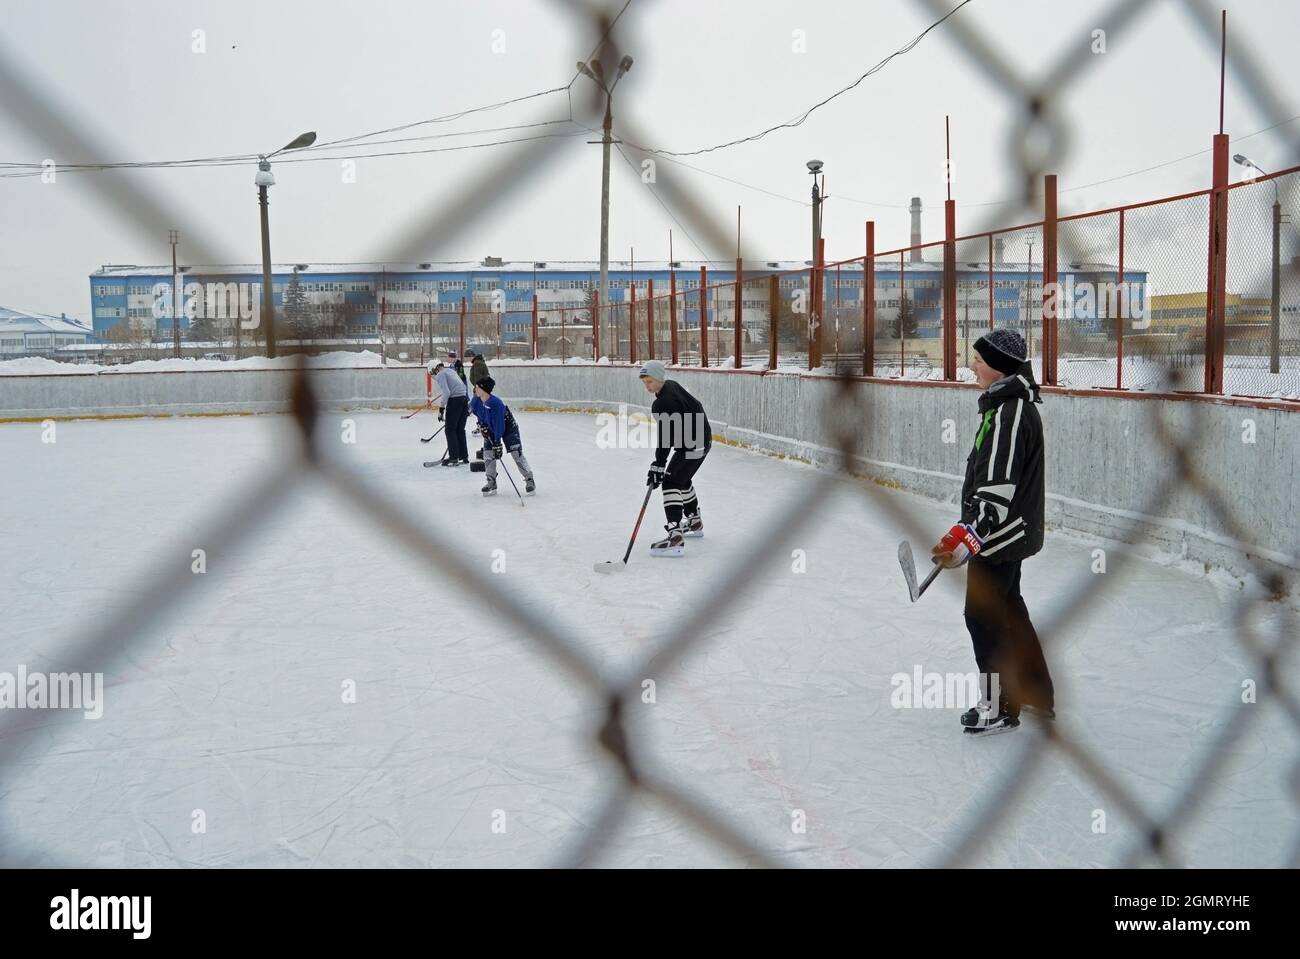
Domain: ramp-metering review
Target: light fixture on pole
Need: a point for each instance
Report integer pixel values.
(1275, 318)
(596, 73)
(263, 181)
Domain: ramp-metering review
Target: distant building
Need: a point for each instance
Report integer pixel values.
(351, 299)
(37, 334)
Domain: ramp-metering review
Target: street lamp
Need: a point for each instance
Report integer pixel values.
(817, 286)
(596, 73)
(1275, 322)
(264, 180)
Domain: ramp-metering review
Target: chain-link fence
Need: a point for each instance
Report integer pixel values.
(904, 316)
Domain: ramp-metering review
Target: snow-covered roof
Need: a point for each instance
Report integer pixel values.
(21, 322)
(449, 266)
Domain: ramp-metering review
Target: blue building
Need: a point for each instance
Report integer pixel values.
(352, 300)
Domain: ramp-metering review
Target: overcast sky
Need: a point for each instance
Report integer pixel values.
(124, 82)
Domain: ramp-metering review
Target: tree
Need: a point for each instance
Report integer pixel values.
(906, 319)
(296, 310)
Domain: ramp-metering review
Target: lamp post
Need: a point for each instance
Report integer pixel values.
(1275, 321)
(817, 286)
(596, 73)
(264, 180)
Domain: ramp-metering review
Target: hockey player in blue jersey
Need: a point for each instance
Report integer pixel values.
(500, 433)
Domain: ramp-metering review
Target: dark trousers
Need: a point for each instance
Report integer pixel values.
(1004, 639)
(456, 414)
(679, 491)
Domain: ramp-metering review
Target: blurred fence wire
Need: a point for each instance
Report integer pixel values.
(643, 329)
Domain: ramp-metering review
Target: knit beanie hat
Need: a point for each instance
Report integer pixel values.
(1004, 350)
(654, 369)
(487, 384)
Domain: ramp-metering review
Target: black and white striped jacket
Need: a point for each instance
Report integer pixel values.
(1003, 495)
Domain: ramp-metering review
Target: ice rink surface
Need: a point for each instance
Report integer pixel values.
(467, 747)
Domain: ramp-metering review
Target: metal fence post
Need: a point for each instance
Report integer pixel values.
(1216, 281)
(949, 331)
(1051, 289)
(773, 305)
(650, 317)
(869, 303)
(704, 316)
(672, 314)
(740, 293)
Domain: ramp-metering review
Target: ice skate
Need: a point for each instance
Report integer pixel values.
(670, 545)
(489, 488)
(692, 526)
(986, 720)
(529, 485)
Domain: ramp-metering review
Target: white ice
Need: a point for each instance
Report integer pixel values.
(466, 746)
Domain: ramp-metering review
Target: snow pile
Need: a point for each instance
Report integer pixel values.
(34, 365)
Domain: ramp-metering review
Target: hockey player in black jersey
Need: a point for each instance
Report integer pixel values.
(1001, 524)
(682, 430)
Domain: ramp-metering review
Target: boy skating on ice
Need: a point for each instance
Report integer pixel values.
(1001, 525)
(683, 430)
(500, 432)
(453, 405)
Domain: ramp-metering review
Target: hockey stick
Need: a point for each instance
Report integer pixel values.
(512, 480)
(426, 406)
(438, 462)
(609, 566)
(909, 571)
(429, 439)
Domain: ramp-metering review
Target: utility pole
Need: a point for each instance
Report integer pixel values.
(596, 73)
(173, 237)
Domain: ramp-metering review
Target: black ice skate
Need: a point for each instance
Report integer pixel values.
(529, 485)
(489, 488)
(692, 526)
(982, 720)
(670, 545)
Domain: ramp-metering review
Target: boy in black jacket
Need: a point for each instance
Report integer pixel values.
(1001, 525)
(682, 430)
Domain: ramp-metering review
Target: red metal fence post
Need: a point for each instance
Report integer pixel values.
(460, 351)
(1216, 285)
(1051, 289)
(773, 304)
(672, 315)
(869, 303)
(1121, 308)
(990, 285)
(650, 316)
(949, 289)
(740, 294)
(704, 316)
(631, 323)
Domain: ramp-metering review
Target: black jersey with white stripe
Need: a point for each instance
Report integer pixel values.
(1003, 496)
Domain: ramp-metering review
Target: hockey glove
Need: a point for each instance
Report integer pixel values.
(440, 419)
(655, 477)
(957, 546)
(497, 451)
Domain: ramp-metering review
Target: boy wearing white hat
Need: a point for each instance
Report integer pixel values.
(683, 431)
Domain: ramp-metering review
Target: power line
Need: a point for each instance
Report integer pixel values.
(789, 124)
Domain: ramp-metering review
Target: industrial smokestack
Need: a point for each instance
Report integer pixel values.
(916, 229)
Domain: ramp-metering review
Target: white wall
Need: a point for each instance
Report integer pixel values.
(1104, 461)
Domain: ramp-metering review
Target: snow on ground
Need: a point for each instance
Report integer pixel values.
(233, 703)
(339, 359)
